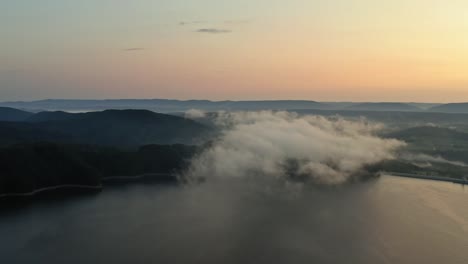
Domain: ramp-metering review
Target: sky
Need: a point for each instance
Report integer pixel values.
(324, 50)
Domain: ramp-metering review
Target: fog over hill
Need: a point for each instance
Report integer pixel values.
(283, 144)
(451, 108)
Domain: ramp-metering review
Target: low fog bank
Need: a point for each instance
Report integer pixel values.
(424, 160)
(284, 145)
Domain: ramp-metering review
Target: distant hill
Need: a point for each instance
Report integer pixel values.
(451, 108)
(424, 106)
(447, 143)
(110, 127)
(11, 114)
(170, 106)
(274, 105)
(164, 105)
(428, 133)
(403, 107)
(51, 116)
(435, 140)
(400, 119)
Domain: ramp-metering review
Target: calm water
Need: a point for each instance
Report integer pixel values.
(390, 220)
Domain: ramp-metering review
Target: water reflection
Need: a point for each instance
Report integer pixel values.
(390, 220)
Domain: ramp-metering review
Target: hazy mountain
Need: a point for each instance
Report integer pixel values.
(424, 106)
(163, 105)
(169, 106)
(110, 127)
(428, 134)
(340, 105)
(451, 108)
(403, 107)
(11, 114)
(274, 105)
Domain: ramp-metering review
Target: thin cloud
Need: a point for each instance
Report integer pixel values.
(184, 23)
(214, 30)
(237, 22)
(227, 22)
(134, 49)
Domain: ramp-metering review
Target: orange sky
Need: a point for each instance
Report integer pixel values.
(335, 50)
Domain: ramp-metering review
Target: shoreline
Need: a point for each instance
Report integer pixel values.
(422, 177)
(170, 176)
(138, 177)
(52, 188)
(86, 187)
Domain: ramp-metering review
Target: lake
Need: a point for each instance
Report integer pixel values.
(388, 220)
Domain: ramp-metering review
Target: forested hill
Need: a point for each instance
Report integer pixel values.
(55, 149)
(110, 127)
(26, 168)
(12, 114)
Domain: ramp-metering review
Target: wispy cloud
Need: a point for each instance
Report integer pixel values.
(184, 23)
(214, 30)
(237, 22)
(134, 49)
(226, 22)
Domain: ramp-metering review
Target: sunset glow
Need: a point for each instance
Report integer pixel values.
(333, 50)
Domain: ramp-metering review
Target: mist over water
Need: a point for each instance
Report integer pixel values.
(244, 221)
(280, 144)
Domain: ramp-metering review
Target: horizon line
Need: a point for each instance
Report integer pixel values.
(225, 100)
